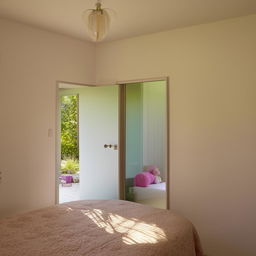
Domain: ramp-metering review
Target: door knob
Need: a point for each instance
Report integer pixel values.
(111, 146)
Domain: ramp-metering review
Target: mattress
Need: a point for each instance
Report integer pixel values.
(153, 191)
(98, 228)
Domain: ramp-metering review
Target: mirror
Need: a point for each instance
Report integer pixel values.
(146, 143)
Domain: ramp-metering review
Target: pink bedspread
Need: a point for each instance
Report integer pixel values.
(100, 228)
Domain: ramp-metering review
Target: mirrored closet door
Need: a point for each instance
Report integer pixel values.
(145, 143)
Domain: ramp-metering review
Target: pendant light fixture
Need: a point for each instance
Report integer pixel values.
(97, 21)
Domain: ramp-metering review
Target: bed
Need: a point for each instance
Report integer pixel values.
(99, 228)
(153, 195)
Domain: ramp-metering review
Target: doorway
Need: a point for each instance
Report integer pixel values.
(97, 140)
(69, 177)
(113, 141)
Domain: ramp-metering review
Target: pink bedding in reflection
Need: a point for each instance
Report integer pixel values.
(99, 228)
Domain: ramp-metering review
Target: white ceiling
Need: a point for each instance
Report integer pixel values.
(133, 17)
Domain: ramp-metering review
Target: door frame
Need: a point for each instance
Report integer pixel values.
(121, 131)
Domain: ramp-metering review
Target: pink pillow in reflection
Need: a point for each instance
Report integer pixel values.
(143, 179)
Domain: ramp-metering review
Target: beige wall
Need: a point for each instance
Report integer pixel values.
(213, 118)
(31, 60)
(212, 70)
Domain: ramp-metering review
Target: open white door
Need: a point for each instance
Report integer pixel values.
(98, 125)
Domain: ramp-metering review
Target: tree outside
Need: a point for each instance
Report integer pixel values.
(69, 134)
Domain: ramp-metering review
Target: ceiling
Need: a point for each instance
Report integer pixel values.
(132, 17)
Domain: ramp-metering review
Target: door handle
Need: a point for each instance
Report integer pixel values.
(111, 146)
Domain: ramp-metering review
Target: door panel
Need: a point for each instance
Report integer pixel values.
(98, 125)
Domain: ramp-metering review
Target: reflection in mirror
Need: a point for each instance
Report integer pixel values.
(146, 143)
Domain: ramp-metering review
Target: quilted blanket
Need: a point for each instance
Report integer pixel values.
(99, 228)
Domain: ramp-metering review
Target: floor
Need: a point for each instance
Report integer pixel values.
(68, 194)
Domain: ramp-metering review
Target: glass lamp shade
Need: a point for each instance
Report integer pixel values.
(98, 23)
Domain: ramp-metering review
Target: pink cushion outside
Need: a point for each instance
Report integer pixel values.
(68, 179)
